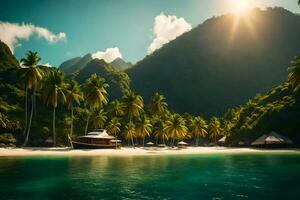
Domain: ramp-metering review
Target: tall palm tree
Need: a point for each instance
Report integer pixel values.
(31, 76)
(96, 94)
(31, 71)
(113, 127)
(133, 104)
(129, 132)
(98, 118)
(143, 128)
(158, 104)
(198, 128)
(53, 94)
(214, 128)
(73, 97)
(116, 109)
(294, 72)
(175, 127)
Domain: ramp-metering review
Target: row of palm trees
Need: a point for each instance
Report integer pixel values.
(127, 115)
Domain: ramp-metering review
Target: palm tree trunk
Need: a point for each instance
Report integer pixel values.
(26, 111)
(87, 125)
(29, 124)
(197, 141)
(72, 116)
(34, 100)
(53, 127)
(132, 141)
(163, 140)
(143, 141)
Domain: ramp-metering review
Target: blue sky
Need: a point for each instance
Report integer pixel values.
(95, 25)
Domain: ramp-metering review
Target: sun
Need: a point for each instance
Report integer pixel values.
(241, 6)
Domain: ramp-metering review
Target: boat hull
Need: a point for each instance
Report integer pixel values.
(80, 145)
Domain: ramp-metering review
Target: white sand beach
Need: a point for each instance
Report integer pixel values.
(125, 151)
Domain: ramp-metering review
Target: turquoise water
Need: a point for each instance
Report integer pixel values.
(238, 176)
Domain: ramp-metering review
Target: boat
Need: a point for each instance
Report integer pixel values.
(97, 139)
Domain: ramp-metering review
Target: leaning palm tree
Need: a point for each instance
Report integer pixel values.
(98, 118)
(175, 127)
(73, 97)
(31, 76)
(158, 104)
(294, 72)
(53, 94)
(214, 128)
(113, 127)
(198, 128)
(133, 104)
(143, 128)
(129, 133)
(116, 109)
(96, 94)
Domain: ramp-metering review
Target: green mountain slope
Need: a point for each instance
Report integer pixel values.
(278, 110)
(222, 62)
(118, 80)
(7, 59)
(75, 64)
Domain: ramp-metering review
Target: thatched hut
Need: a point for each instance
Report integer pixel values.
(221, 141)
(182, 144)
(272, 139)
(149, 144)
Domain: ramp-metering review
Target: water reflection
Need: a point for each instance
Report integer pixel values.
(151, 177)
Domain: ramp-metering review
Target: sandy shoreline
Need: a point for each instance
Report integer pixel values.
(130, 151)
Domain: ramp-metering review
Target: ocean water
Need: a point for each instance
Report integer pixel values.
(215, 177)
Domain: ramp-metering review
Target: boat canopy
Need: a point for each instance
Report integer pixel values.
(99, 134)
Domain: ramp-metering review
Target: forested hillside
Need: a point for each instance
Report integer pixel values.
(222, 62)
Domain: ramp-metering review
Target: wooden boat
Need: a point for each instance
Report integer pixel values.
(98, 139)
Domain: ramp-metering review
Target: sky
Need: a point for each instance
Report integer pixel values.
(130, 29)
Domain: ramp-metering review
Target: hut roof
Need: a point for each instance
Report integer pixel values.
(150, 143)
(222, 139)
(182, 143)
(272, 138)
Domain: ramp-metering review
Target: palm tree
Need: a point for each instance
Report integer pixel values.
(294, 72)
(214, 128)
(159, 131)
(31, 73)
(113, 127)
(198, 128)
(116, 109)
(31, 76)
(175, 127)
(96, 94)
(53, 93)
(158, 105)
(133, 104)
(73, 97)
(98, 118)
(143, 128)
(129, 132)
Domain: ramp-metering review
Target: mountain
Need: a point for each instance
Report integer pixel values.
(119, 63)
(222, 62)
(75, 64)
(7, 59)
(69, 63)
(78, 63)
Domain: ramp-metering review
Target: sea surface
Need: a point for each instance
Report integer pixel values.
(215, 177)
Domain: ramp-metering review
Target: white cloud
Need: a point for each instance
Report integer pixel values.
(108, 55)
(167, 28)
(12, 33)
